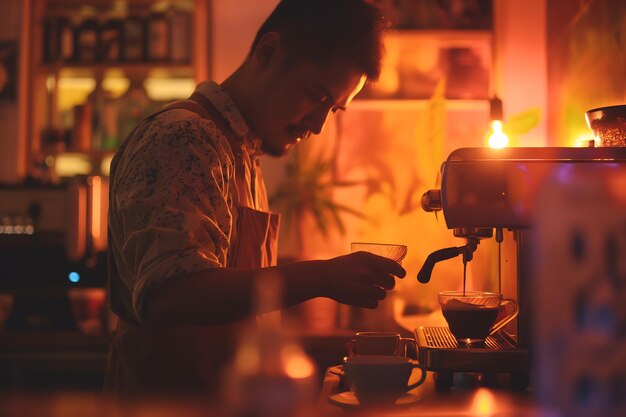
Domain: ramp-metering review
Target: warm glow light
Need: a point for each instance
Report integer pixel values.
(583, 140)
(105, 165)
(70, 164)
(77, 235)
(297, 365)
(484, 403)
(115, 85)
(169, 88)
(96, 192)
(497, 138)
(73, 91)
(50, 82)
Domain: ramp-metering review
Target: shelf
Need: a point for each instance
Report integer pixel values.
(80, 70)
(61, 86)
(97, 3)
(415, 104)
(470, 35)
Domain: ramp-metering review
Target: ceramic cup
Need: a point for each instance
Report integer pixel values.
(471, 315)
(379, 343)
(381, 380)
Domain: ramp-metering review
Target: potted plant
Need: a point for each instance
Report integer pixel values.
(307, 193)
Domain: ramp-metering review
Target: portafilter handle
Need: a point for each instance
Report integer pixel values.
(424, 274)
(467, 251)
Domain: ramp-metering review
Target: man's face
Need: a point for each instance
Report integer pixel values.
(299, 99)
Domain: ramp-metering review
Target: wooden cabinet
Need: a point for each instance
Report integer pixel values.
(95, 66)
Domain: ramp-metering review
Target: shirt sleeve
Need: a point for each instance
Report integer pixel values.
(173, 202)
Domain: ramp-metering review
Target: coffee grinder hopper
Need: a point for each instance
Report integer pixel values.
(485, 190)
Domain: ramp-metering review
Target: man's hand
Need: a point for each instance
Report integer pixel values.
(360, 279)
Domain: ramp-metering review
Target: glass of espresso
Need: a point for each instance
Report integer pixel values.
(471, 315)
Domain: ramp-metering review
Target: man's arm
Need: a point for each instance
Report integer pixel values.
(223, 295)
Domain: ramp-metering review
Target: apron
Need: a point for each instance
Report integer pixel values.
(152, 359)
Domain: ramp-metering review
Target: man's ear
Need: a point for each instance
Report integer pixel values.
(267, 49)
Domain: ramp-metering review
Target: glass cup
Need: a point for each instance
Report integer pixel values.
(608, 124)
(387, 250)
(471, 316)
(379, 343)
(353, 317)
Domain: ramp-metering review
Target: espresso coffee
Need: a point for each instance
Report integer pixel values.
(471, 315)
(473, 323)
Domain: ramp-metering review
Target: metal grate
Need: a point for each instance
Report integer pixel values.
(440, 337)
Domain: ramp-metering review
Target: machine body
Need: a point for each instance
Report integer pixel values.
(483, 190)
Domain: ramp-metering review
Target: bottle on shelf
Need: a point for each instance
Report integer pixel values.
(134, 38)
(51, 39)
(86, 37)
(158, 33)
(80, 139)
(67, 45)
(99, 120)
(58, 39)
(110, 45)
(180, 34)
(132, 107)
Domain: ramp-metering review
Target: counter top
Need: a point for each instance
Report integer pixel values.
(468, 400)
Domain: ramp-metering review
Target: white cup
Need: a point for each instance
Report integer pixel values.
(379, 380)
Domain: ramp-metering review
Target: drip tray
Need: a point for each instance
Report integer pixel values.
(438, 351)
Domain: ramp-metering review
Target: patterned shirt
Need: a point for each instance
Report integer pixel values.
(171, 209)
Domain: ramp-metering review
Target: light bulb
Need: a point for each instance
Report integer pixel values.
(496, 136)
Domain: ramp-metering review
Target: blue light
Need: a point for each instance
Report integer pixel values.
(74, 277)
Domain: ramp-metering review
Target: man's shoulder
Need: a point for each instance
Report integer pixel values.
(181, 118)
(180, 126)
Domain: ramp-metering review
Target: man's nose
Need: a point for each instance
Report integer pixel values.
(317, 120)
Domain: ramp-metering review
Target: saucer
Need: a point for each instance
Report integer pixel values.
(349, 400)
(336, 370)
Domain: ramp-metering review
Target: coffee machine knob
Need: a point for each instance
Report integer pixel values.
(431, 200)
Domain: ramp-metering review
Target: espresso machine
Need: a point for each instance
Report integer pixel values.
(484, 192)
(52, 239)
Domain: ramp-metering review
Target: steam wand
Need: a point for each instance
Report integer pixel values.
(467, 251)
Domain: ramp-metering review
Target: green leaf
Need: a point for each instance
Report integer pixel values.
(522, 122)
(308, 188)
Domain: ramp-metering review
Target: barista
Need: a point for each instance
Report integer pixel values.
(189, 222)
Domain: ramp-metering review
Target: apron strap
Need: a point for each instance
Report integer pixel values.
(233, 138)
(201, 105)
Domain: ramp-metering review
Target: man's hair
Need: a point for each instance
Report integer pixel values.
(321, 31)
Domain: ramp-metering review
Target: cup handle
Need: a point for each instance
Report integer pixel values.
(422, 378)
(507, 319)
(404, 344)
